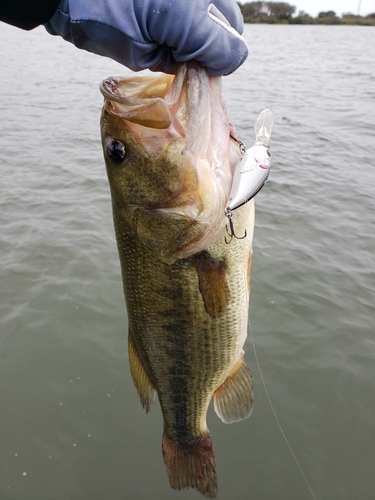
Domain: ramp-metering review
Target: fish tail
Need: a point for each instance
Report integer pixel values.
(191, 466)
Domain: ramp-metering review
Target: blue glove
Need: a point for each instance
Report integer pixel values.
(155, 34)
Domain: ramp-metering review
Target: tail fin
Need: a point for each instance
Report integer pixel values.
(192, 466)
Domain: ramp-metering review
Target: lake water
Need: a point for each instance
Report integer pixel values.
(71, 426)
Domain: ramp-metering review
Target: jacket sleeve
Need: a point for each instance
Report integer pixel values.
(27, 14)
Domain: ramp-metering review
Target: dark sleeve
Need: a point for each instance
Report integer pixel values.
(27, 14)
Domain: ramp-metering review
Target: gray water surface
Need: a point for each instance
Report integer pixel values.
(71, 426)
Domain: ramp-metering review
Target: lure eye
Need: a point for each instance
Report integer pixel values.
(116, 151)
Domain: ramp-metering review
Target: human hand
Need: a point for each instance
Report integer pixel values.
(155, 34)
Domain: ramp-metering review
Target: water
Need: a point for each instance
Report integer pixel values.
(71, 426)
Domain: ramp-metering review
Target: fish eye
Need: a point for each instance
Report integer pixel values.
(116, 151)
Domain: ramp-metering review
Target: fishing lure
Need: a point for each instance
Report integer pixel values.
(252, 169)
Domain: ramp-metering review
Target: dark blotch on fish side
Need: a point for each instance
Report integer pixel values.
(179, 375)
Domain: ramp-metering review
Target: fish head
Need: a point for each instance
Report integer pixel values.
(169, 159)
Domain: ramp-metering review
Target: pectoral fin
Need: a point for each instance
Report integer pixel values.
(234, 399)
(213, 283)
(142, 382)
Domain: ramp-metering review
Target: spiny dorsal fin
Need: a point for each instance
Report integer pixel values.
(234, 399)
(142, 382)
(191, 465)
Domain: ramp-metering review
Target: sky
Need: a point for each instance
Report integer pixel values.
(313, 7)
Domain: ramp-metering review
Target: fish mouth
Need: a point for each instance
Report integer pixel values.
(139, 100)
(135, 90)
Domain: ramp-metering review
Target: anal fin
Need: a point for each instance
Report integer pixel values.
(142, 382)
(234, 399)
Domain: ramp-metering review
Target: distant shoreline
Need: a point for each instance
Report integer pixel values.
(366, 22)
(370, 23)
(284, 13)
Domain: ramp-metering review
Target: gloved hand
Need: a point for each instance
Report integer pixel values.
(155, 34)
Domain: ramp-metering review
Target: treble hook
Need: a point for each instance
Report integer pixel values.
(231, 233)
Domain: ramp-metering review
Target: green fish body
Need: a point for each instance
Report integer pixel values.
(170, 159)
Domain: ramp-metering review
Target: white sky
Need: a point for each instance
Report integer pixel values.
(313, 7)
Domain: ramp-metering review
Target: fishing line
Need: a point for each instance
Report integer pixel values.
(276, 418)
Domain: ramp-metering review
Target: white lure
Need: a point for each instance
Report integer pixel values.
(253, 168)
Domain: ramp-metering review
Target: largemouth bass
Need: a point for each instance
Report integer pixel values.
(170, 158)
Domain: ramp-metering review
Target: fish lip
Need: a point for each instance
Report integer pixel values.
(142, 104)
(110, 89)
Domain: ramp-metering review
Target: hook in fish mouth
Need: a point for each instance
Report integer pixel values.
(230, 232)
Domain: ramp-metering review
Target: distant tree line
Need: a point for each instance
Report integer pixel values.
(282, 12)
